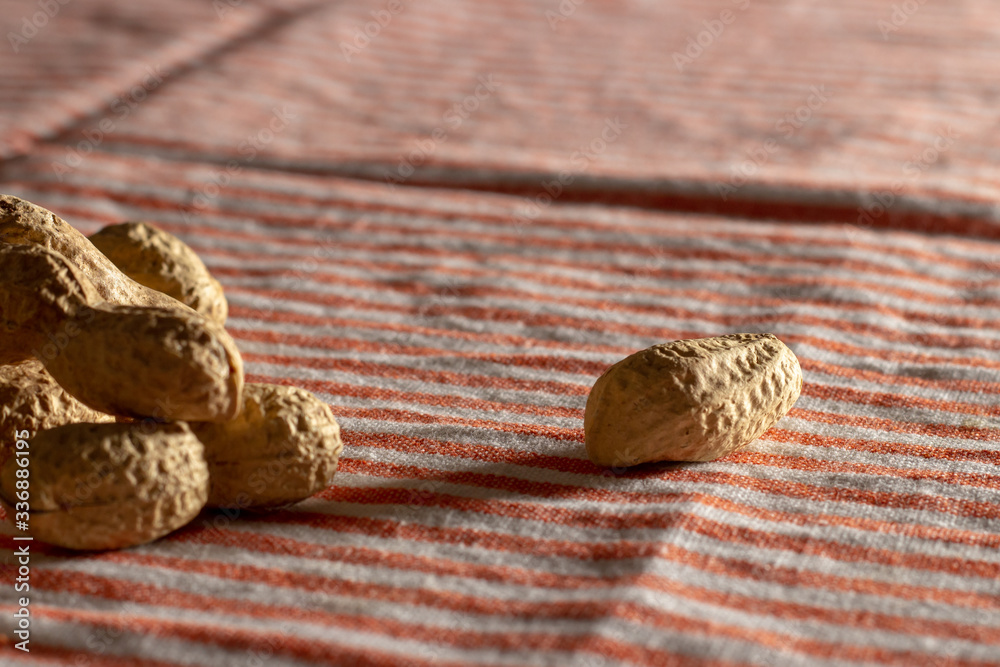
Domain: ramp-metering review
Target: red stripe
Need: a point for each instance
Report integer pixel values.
(551, 320)
(637, 277)
(280, 222)
(777, 236)
(957, 432)
(675, 472)
(226, 637)
(553, 362)
(339, 389)
(59, 655)
(885, 447)
(102, 587)
(575, 610)
(535, 293)
(883, 399)
(451, 378)
(895, 355)
(787, 577)
(660, 199)
(781, 435)
(405, 372)
(449, 401)
(312, 649)
(575, 365)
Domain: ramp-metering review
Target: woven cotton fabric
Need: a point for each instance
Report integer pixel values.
(447, 223)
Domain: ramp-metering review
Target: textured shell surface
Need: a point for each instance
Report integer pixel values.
(152, 362)
(690, 400)
(31, 400)
(24, 223)
(186, 366)
(161, 261)
(108, 486)
(39, 290)
(283, 447)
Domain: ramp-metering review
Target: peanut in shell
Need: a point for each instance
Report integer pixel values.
(163, 363)
(161, 261)
(283, 447)
(31, 400)
(109, 486)
(690, 400)
(130, 361)
(24, 223)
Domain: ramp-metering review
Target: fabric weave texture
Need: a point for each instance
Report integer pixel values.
(446, 219)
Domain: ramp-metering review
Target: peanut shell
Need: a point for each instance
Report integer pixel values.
(24, 223)
(30, 400)
(690, 400)
(39, 290)
(164, 363)
(109, 486)
(132, 361)
(282, 448)
(161, 261)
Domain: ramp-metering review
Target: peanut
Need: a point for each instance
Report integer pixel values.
(108, 486)
(168, 363)
(690, 400)
(282, 448)
(31, 400)
(161, 261)
(24, 223)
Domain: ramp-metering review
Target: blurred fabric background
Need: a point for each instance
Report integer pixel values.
(448, 218)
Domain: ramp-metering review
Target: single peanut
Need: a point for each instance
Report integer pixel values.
(690, 400)
(31, 400)
(166, 363)
(283, 447)
(161, 261)
(106, 486)
(24, 223)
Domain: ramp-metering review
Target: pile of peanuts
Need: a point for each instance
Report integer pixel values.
(123, 407)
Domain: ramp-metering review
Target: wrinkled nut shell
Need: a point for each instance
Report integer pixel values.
(133, 361)
(161, 261)
(282, 448)
(690, 400)
(24, 223)
(39, 289)
(178, 364)
(110, 486)
(31, 400)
